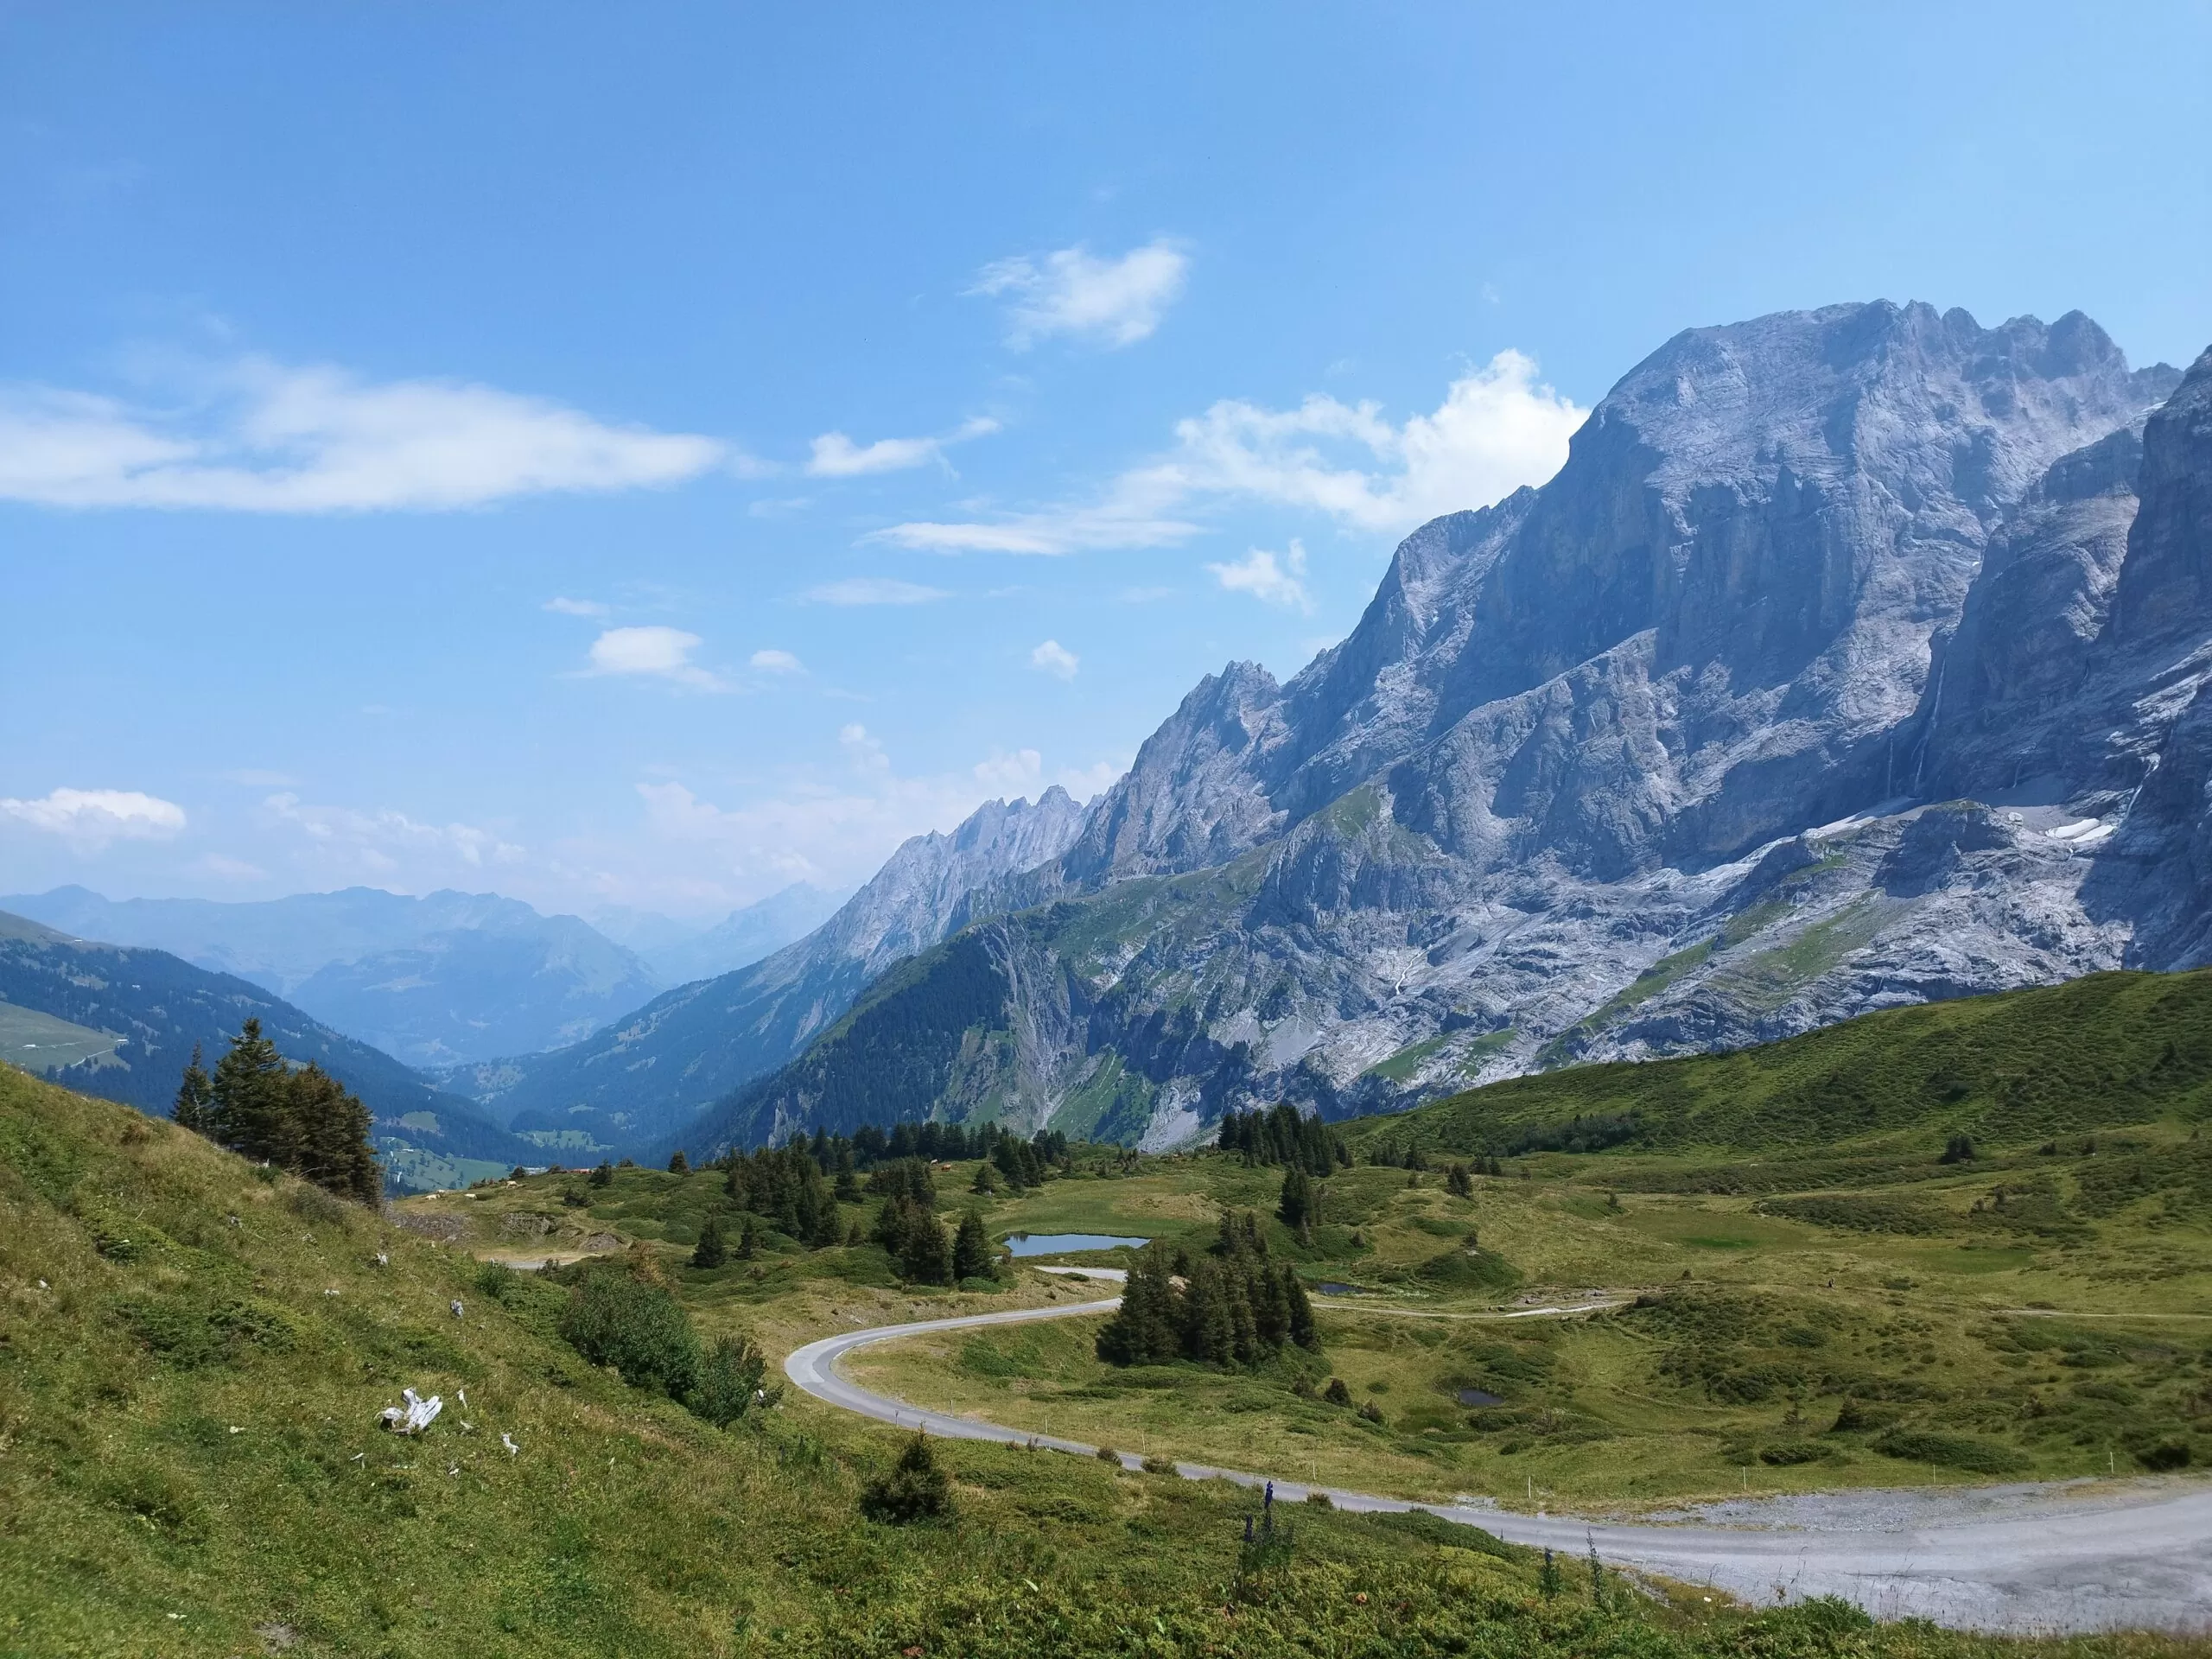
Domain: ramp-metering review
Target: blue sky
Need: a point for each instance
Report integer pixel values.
(646, 456)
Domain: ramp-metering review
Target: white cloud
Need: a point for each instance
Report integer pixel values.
(664, 653)
(834, 822)
(375, 842)
(254, 778)
(1055, 658)
(865, 752)
(575, 606)
(1085, 782)
(1497, 429)
(92, 817)
(1111, 301)
(836, 456)
(874, 590)
(1258, 574)
(1009, 775)
(777, 662)
(257, 436)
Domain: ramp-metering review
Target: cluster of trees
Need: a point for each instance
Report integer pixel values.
(304, 1121)
(615, 1318)
(785, 1187)
(908, 1227)
(1236, 1306)
(1384, 1155)
(1284, 1135)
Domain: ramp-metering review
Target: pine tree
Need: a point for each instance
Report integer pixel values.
(748, 1240)
(679, 1164)
(1143, 1331)
(603, 1175)
(710, 1251)
(247, 1103)
(1296, 1206)
(972, 1256)
(328, 1131)
(1303, 1331)
(194, 1099)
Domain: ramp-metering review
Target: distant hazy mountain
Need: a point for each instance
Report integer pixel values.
(746, 936)
(1856, 657)
(644, 1076)
(121, 1023)
(443, 979)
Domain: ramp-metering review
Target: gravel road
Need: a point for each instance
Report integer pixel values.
(2070, 1557)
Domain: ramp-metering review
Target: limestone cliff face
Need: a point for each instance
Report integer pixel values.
(1852, 658)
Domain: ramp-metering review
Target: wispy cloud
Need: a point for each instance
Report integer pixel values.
(1497, 429)
(1112, 303)
(656, 652)
(259, 437)
(1056, 659)
(90, 818)
(383, 842)
(836, 456)
(563, 606)
(777, 662)
(1267, 580)
(873, 590)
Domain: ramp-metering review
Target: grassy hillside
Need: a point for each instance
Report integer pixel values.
(2017, 1067)
(192, 1359)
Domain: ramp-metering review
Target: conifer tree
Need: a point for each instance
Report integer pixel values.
(748, 1240)
(329, 1133)
(679, 1164)
(603, 1175)
(972, 1256)
(305, 1121)
(246, 1099)
(194, 1098)
(711, 1250)
(1296, 1206)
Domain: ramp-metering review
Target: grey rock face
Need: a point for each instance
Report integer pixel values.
(1663, 755)
(644, 1075)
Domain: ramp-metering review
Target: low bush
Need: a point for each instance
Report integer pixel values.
(1950, 1451)
(915, 1490)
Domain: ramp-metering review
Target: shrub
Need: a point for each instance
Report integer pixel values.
(1951, 1450)
(495, 1279)
(729, 1383)
(638, 1329)
(915, 1490)
(1337, 1394)
(1158, 1465)
(1107, 1454)
(2167, 1454)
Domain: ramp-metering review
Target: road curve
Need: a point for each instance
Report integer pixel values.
(2036, 1560)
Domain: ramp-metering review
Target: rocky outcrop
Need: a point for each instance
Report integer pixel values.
(1851, 660)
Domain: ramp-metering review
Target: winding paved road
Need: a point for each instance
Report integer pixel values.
(2010, 1557)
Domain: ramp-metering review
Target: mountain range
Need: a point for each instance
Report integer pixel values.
(1852, 660)
(121, 1021)
(444, 978)
(646, 1077)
